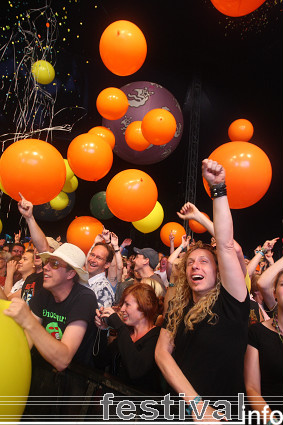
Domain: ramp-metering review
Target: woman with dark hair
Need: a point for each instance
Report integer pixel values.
(264, 358)
(201, 347)
(132, 352)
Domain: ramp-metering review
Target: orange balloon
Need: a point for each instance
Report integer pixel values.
(158, 126)
(112, 103)
(134, 137)
(90, 157)
(248, 172)
(131, 195)
(240, 130)
(33, 167)
(82, 232)
(196, 227)
(123, 48)
(177, 229)
(105, 133)
(236, 7)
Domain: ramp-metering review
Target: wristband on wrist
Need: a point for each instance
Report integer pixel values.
(262, 251)
(117, 250)
(218, 190)
(196, 400)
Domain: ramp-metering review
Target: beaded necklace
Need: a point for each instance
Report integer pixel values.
(275, 324)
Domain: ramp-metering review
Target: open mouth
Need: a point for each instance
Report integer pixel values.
(197, 277)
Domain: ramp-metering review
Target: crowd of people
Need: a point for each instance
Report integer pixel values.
(203, 323)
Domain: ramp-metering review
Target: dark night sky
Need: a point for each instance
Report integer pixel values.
(239, 62)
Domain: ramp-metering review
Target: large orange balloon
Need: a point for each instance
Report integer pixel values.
(82, 232)
(33, 167)
(112, 103)
(134, 137)
(158, 126)
(196, 227)
(131, 195)
(123, 48)
(236, 7)
(240, 129)
(105, 133)
(248, 172)
(90, 157)
(178, 231)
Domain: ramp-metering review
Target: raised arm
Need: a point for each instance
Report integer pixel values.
(190, 212)
(265, 283)
(232, 277)
(259, 253)
(38, 237)
(115, 271)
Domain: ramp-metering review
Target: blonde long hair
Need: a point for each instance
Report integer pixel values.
(184, 295)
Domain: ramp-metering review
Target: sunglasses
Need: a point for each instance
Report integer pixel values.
(55, 264)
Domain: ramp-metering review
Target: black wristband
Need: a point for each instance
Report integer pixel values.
(218, 190)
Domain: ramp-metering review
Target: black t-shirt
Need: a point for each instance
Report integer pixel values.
(212, 356)
(270, 350)
(32, 284)
(80, 304)
(132, 361)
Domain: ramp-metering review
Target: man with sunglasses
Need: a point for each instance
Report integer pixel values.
(60, 321)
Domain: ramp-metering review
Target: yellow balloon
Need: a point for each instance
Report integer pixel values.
(15, 368)
(2, 188)
(69, 171)
(152, 221)
(43, 72)
(1, 226)
(71, 185)
(60, 201)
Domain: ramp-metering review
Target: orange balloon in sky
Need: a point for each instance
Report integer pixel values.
(90, 157)
(248, 172)
(240, 130)
(123, 48)
(236, 8)
(196, 227)
(33, 167)
(131, 195)
(112, 103)
(82, 232)
(105, 133)
(178, 231)
(134, 137)
(158, 126)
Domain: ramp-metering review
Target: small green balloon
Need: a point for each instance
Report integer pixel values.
(98, 206)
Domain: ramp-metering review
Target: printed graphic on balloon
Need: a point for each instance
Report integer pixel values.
(143, 96)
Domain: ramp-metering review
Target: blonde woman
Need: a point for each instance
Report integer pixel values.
(201, 347)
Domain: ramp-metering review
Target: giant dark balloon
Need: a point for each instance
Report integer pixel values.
(144, 96)
(99, 207)
(44, 212)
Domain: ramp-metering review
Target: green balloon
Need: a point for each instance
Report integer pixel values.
(98, 206)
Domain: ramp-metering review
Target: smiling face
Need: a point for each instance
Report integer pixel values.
(201, 272)
(96, 262)
(130, 311)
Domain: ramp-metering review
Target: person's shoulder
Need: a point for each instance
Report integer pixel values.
(80, 289)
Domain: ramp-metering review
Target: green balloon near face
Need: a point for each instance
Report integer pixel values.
(98, 206)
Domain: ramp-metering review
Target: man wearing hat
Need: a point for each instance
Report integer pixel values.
(60, 320)
(146, 261)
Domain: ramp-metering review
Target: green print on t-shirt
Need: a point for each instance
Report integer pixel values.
(54, 330)
(55, 316)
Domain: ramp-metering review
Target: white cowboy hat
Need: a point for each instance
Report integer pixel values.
(73, 256)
